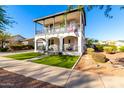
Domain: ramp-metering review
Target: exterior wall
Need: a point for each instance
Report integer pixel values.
(55, 41)
(73, 40)
(25, 42)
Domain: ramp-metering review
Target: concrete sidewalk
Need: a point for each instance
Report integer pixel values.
(58, 76)
(15, 52)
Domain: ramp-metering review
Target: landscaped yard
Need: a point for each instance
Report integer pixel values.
(23, 56)
(56, 60)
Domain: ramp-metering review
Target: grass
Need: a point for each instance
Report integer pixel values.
(24, 56)
(56, 60)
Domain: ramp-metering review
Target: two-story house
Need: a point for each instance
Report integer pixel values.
(62, 32)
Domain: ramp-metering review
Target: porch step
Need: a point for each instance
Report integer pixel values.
(71, 53)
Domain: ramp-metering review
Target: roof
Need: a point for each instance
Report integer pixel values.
(28, 39)
(18, 36)
(57, 14)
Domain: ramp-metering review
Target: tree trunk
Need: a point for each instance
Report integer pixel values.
(2, 43)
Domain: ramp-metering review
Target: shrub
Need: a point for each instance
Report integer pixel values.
(21, 47)
(42, 47)
(99, 57)
(90, 50)
(110, 49)
(114, 47)
(29, 46)
(3, 49)
(99, 48)
(121, 48)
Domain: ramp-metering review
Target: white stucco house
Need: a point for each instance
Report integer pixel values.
(62, 32)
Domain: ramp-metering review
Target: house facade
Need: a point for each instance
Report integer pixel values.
(16, 40)
(29, 41)
(62, 32)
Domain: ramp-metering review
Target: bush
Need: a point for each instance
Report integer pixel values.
(110, 49)
(90, 50)
(3, 49)
(121, 48)
(42, 47)
(21, 47)
(99, 57)
(99, 48)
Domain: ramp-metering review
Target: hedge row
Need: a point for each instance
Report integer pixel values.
(21, 47)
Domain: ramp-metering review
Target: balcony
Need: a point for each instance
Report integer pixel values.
(57, 30)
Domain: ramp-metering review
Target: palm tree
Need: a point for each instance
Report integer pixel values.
(4, 36)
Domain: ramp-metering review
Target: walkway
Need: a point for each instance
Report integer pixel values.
(110, 77)
(54, 75)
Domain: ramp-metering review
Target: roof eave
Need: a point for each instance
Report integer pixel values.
(53, 15)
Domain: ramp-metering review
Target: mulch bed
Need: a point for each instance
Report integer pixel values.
(12, 80)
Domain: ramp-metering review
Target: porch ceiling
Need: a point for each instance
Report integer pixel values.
(60, 19)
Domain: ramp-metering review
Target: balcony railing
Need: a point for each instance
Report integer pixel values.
(57, 30)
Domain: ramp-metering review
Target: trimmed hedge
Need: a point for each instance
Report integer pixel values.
(3, 49)
(99, 57)
(99, 48)
(121, 49)
(21, 47)
(110, 49)
(90, 50)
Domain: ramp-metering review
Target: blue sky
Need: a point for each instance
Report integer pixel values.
(98, 26)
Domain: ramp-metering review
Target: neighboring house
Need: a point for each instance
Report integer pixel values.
(62, 32)
(17, 39)
(107, 42)
(102, 42)
(119, 43)
(29, 41)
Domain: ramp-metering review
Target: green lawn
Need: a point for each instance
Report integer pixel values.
(56, 60)
(23, 56)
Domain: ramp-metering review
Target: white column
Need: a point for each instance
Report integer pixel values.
(65, 22)
(53, 25)
(35, 41)
(47, 41)
(61, 44)
(35, 45)
(80, 38)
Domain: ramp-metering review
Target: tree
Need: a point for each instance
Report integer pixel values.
(90, 42)
(5, 20)
(105, 8)
(4, 36)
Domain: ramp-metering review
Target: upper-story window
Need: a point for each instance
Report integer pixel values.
(51, 26)
(52, 41)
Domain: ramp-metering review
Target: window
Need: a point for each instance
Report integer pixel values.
(51, 26)
(52, 41)
(69, 41)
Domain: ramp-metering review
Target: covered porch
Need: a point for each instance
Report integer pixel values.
(70, 43)
(53, 44)
(65, 45)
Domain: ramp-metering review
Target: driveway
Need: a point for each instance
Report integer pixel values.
(15, 52)
(53, 75)
(12, 80)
